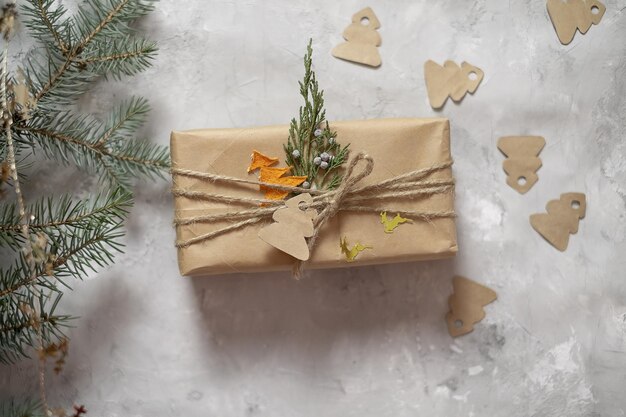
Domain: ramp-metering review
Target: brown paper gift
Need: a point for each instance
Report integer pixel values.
(397, 146)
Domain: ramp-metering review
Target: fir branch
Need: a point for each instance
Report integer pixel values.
(99, 148)
(99, 43)
(101, 18)
(60, 239)
(79, 235)
(20, 328)
(68, 88)
(21, 409)
(9, 14)
(98, 11)
(13, 278)
(72, 255)
(124, 121)
(85, 251)
(47, 24)
(56, 240)
(56, 216)
(16, 285)
(117, 57)
(140, 158)
(98, 26)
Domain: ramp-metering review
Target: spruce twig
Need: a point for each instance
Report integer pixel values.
(57, 240)
(9, 14)
(23, 409)
(96, 42)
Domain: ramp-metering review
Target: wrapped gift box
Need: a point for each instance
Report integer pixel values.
(396, 145)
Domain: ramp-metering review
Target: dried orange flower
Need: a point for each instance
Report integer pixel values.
(270, 174)
(275, 176)
(259, 161)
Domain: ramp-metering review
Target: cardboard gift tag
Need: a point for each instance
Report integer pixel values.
(570, 15)
(292, 225)
(466, 305)
(450, 80)
(561, 219)
(522, 160)
(362, 40)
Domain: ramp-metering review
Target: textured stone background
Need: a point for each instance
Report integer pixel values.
(372, 341)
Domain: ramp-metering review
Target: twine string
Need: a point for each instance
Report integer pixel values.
(334, 202)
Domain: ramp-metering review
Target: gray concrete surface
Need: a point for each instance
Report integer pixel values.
(372, 341)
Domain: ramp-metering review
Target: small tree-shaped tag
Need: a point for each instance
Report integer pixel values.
(522, 161)
(293, 224)
(569, 16)
(362, 40)
(466, 305)
(450, 80)
(561, 219)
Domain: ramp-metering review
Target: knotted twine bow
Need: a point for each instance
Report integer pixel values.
(346, 197)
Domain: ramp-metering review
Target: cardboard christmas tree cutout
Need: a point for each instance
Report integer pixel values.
(450, 80)
(570, 15)
(561, 219)
(466, 305)
(292, 225)
(362, 40)
(522, 160)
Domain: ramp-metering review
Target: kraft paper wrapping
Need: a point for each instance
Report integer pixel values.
(397, 146)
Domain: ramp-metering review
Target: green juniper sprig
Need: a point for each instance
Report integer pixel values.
(312, 149)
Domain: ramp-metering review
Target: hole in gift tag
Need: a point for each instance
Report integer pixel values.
(458, 324)
(365, 21)
(472, 76)
(595, 10)
(521, 180)
(575, 204)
